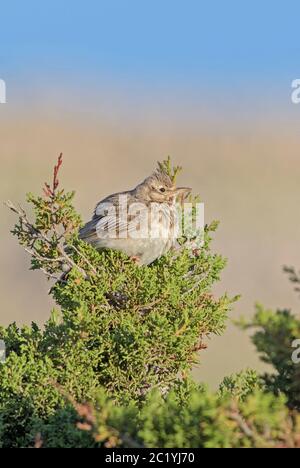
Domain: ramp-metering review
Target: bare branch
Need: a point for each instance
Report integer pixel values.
(235, 416)
(84, 258)
(39, 235)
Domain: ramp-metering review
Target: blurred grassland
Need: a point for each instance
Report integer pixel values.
(248, 178)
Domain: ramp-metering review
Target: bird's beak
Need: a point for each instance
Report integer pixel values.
(183, 191)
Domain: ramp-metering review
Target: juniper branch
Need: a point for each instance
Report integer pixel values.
(31, 230)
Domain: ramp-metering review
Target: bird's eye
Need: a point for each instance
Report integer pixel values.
(162, 189)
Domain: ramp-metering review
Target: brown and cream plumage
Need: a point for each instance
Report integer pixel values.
(134, 229)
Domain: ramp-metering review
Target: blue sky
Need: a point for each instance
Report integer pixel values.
(184, 41)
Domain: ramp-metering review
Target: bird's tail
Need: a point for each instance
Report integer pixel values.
(88, 232)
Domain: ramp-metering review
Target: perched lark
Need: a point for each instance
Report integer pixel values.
(143, 222)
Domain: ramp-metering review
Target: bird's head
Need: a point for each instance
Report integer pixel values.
(159, 188)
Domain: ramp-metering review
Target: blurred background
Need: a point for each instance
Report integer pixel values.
(117, 85)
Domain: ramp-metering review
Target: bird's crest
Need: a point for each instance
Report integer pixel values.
(162, 177)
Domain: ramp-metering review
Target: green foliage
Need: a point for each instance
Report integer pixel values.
(205, 420)
(111, 367)
(121, 327)
(274, 335)
(211, 422)
(63, 429)
(241, 385)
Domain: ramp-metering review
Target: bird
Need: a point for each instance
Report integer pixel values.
(143, 222)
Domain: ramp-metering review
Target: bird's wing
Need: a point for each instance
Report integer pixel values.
(109, 221)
